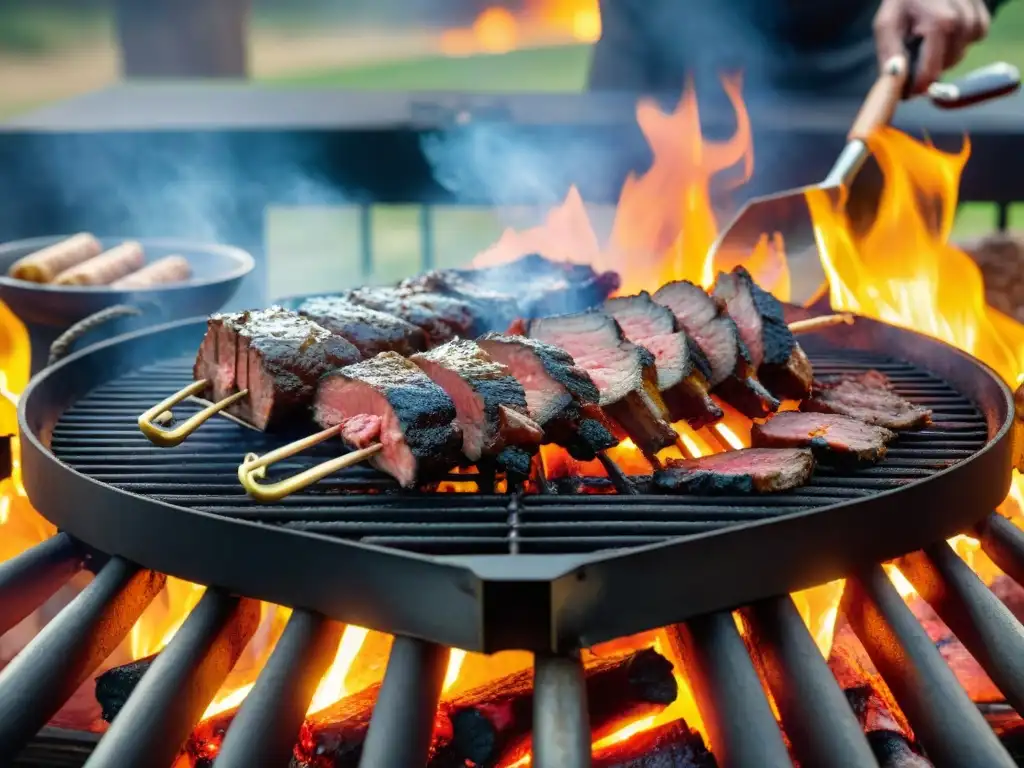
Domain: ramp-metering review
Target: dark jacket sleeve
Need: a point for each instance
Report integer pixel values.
(619, 60)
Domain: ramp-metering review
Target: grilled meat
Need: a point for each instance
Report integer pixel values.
(867, 397)
(490, 405)
(682, 369)
(625, 374)
(276, 354)
(733, 375)
(749, 470)
(779, 360)
(370, 331)
(440, 317)
(560, 397)
(492, 310)
(389, 400)
(832, 437)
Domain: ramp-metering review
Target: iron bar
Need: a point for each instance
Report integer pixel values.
(267, 724)
(732, 703)
(30, 579)
(815, 713)
(171, 697)
(561, 722)
(944, 719)
(61, 657)
(403, 717)
(1003, 541)
(977, 617)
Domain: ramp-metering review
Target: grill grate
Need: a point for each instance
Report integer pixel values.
(98, 436)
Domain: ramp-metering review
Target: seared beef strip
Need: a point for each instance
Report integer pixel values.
(276, 354)
(682, 368)
(733, 375)
(560, 396)
(749, 470)
(367, 329)
(492, 309)
(779, 360)
(490, 405)
(440, 317)
(625, 374)
(389, 400)
(867, 397)
(832, 437)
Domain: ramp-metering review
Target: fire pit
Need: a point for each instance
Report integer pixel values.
(898, 665)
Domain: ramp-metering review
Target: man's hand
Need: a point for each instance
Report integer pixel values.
(947, 27)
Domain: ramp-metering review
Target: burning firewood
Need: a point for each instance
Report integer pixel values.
(673, 744)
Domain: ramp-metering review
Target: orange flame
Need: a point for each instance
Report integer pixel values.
(542, 22)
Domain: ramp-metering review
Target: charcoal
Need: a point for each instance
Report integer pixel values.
(749, 470)
(672, 745)
(389, 399)
(867, 397)
(115, 685)
(368, 330)
(834, 439)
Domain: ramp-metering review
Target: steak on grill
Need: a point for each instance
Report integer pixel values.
(776, 355)
(370, 331)
(440, 317)
(276, 354)
(833, 437)
(682, 369)
(748, 470)
(625, 374)
(490, 405)
(733, 375)
(560, 396)
(492, 310)
(867, 397)
(389, 400)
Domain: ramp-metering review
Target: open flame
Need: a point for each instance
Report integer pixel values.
(541, 22)
(903, 270)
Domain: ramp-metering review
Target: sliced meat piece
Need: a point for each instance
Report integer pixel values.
(733, 375)
(776, 355)
(832, 437)
(749, 470)
(490, 404)
(389, 400)
(680, 377)
(625, 373)
(492, 310)
(867, 397)
(557, 393)
(370, 331)
(440, 317)
(278, 355)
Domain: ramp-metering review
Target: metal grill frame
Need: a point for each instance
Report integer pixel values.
(543, 603)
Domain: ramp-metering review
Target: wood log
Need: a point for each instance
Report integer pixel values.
(673, 744)
(115, 685)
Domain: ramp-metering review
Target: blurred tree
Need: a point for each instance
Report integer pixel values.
(183, 38)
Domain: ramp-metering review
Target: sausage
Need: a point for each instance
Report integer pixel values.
(169, 269)
(105, 268)
(44, 265)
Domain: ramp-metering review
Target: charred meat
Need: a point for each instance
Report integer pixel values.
(278, 355)
(682, 368)
(733, 375)
(490, 404)
(832, 437)
(440, 317)
(368, 330)
(779, 360)
(867, 397)
(560, 396)
(625, 374)
(749, 470)
(389, 400)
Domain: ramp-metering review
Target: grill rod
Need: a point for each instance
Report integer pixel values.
(30, 579)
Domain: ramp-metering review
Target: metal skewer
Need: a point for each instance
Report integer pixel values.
(821, 322)
(167, 438)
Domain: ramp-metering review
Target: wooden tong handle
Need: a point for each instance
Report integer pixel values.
(882, 99)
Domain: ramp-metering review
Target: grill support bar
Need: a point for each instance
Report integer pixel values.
(173, 694)
(944, 719)
(1003, 541)
(403, 717)
(740, 724)
(815, 714)
(977, 617)
(30, 579)
(561, 722)
(68, 649)
(267, 724)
